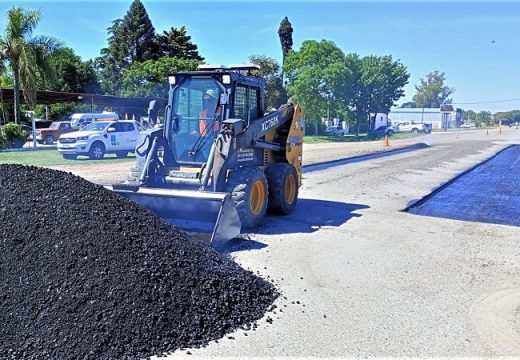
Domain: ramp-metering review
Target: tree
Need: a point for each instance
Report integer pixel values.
(408, 105)
(432, 92)
(27, 56)
(176, 43)
(483, 117)
(318, 78)
(72, 74)
(270, 71)
(130, 39)
(506, 115)
(285, 33)
(378, 82)
(470, 115)
(149, 78)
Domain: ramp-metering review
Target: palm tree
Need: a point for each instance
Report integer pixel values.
(27, 56)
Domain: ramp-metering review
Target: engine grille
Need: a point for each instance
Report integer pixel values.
(67, 141)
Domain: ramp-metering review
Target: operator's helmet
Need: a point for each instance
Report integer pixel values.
(212, 93)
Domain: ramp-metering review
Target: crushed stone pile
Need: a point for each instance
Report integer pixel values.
(86, 274)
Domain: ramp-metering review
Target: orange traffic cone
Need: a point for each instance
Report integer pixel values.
(386, 143)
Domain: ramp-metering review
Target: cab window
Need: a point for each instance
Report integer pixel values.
(125, 127)
(114, 128)
(246, 103)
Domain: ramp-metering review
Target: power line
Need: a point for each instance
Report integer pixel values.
(484, 102)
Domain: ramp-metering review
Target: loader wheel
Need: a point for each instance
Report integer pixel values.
(283, 188)
(248, 188)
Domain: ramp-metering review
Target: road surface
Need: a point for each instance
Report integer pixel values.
(362, 278)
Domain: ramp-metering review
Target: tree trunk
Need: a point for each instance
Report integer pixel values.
(17, 114)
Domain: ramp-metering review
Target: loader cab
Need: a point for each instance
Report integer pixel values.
(200, 100)
(195, 118)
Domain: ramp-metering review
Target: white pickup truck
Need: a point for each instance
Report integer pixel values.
(99, 138)
(414, 127)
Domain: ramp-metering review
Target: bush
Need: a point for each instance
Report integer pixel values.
(14, 136)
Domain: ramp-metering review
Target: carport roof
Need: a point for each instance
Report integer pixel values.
(53, 97)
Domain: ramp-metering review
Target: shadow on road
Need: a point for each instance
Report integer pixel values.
(309, 216)
(355, 159)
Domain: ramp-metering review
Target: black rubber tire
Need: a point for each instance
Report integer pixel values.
(121, 154)
(415, 131)
(70, 156)
(49, 140)
(277, 176)
(239, 185)
(96, 151)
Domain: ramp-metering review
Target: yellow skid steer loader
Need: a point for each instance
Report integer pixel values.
(220, 161)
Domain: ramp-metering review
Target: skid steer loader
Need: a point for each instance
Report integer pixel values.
(219, 162)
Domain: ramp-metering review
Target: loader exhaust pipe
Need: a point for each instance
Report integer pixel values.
(193, 211)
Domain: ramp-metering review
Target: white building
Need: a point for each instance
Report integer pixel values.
(433, 116)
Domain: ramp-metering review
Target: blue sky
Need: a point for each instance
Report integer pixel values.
(477, 44)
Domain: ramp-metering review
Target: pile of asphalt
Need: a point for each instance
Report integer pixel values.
(87, 274)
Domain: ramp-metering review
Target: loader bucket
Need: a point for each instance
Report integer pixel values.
(193, 211)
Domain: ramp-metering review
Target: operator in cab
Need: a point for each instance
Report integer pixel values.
(209, 114)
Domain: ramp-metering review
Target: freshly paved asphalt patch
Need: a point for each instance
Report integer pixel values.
(488, 193)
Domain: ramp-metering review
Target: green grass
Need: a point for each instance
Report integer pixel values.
(46, 158)
(352, 138)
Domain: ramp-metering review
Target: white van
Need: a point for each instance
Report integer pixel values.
(78, 120)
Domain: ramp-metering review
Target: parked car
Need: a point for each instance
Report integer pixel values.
(335, 131)
(78, 120)
(52, 133)
(467, 126)
(382, 131)
(99, 138)
(414, 127)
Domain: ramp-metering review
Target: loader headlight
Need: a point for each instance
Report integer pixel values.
(226, 79)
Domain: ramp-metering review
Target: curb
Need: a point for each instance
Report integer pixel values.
(28, 149)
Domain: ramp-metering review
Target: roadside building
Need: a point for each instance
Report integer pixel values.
(448, 118)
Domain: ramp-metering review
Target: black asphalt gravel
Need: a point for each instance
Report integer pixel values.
(86, 274)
